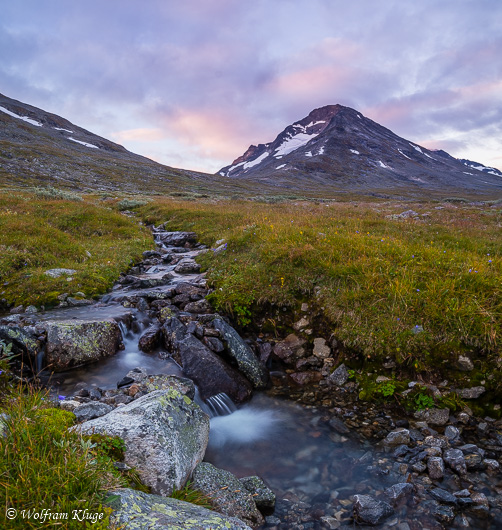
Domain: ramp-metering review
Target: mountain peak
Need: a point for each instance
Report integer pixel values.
(336, 146)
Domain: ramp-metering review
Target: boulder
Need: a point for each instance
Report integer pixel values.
(368, 510)
(165, 434)
(136, 510)
(209, 372)
(227, 493)
(246, 360)
(177, 239)
(76, 342)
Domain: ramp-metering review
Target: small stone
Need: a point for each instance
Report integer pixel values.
(305, 307)
(397, 491)
(263, 496)
(125, 381)
(434, 416)
(89, 411)
(340, 376)
(56, 273)
(479, 498)
(398, 437)
(302, 323)
(465, 364)
(69, 404)
(368, 510)
(452, 433)
(492, 466)
(444, 514)
(455, 459)
(321, 349)
(443, 496)
(471, 393)
(436, 441)
(435, 467)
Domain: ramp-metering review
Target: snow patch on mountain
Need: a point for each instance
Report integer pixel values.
(406, 156)
(83, 143)
(24, 118)
(293, 143)
(281, 166)
(355, 152)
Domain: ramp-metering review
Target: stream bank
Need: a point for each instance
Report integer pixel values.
(434, 471)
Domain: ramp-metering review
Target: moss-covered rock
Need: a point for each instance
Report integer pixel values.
(137, 511)
(76, 342)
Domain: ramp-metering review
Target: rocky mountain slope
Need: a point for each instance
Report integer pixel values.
(40, 148)
(339, 148)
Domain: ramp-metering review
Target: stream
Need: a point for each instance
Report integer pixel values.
(313, 468)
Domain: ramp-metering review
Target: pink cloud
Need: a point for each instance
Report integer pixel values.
(138, 135)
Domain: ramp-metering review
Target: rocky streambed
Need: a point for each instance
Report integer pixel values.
(152, 362)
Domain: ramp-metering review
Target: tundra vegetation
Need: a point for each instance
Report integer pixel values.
(417, 289)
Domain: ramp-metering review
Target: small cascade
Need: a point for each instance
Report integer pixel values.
(219, 405)
(39, 359)
(123, 330)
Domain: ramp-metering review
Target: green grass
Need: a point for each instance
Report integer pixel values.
(45, 466)
(37, 234)
(371, 278)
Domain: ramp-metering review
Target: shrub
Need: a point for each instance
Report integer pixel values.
(55, 194)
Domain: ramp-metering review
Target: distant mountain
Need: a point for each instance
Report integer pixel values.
(336, 147)
(39, 148)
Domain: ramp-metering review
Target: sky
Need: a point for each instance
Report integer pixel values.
(193, 83)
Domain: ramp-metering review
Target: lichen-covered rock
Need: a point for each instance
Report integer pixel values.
(368, 510)
(227, 494)
(208, 371)
(165, 434)
(138, 511)
(263, 496)
(75, 342)
(245, 358)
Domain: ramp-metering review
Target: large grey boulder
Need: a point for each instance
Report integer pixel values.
(138, 511)
(246, 360)
(208, 371)
(165, 434)
(228, 495)
(75, 342)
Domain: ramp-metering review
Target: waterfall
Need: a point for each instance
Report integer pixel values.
(236, 426)
(219, 405)
(39, 359)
